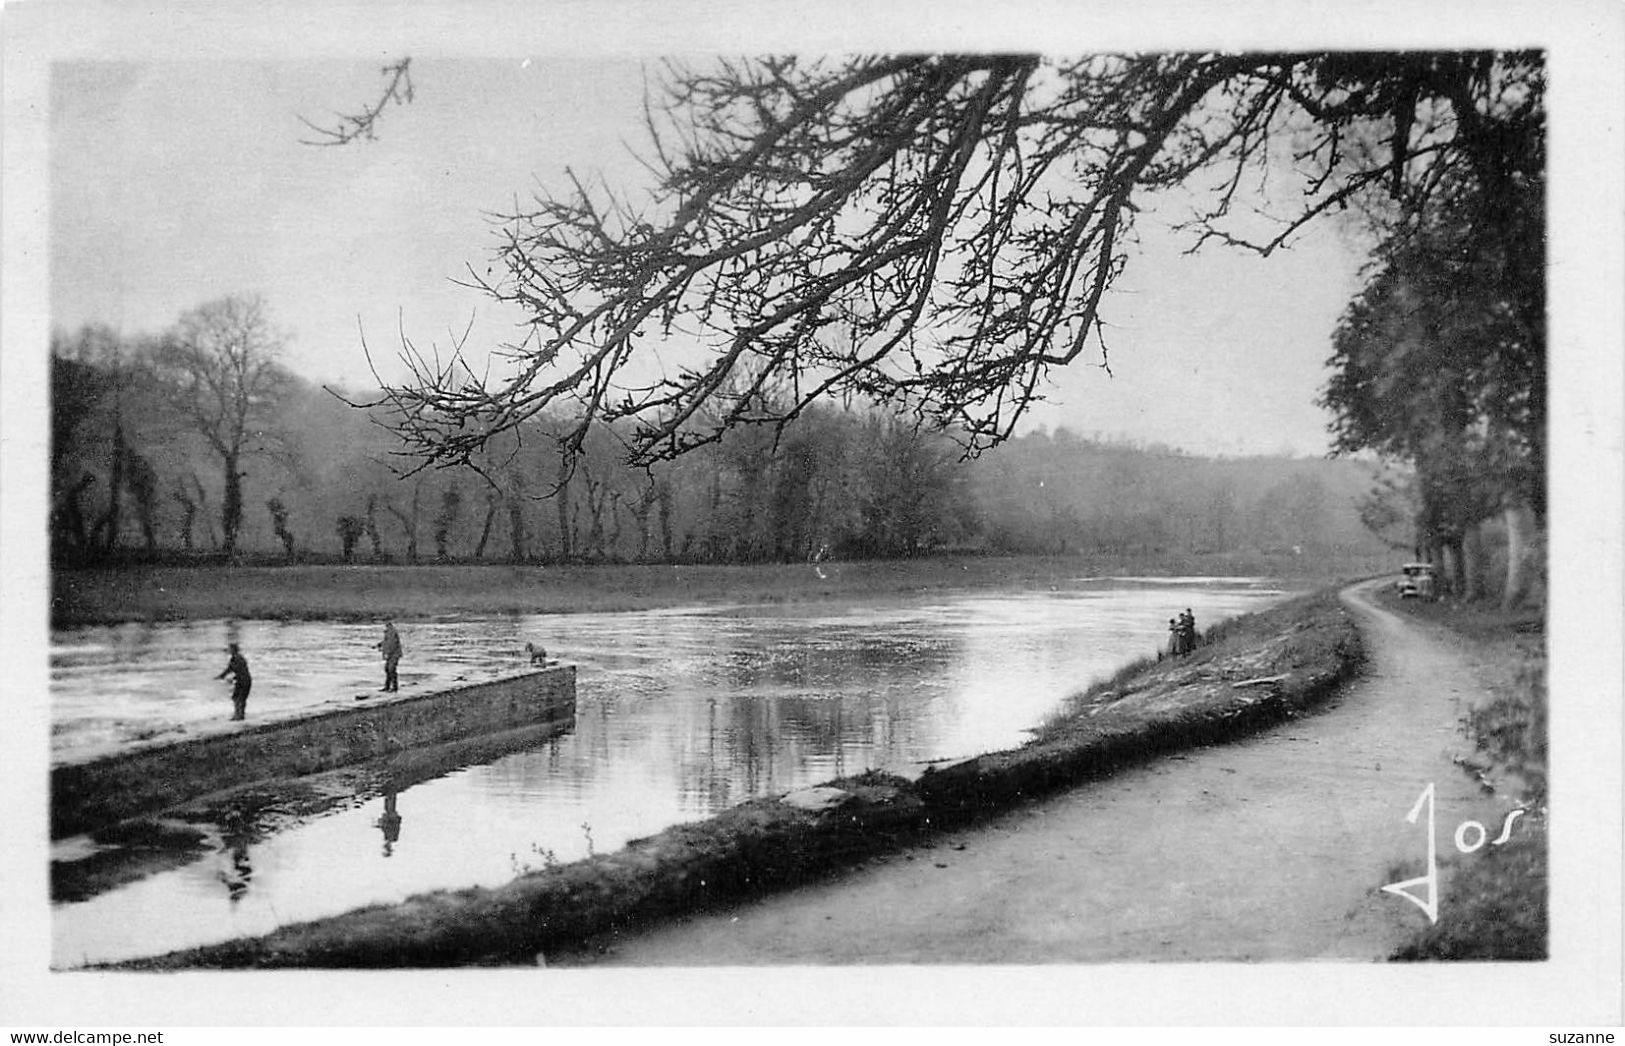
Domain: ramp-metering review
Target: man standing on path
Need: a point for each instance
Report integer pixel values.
(391, 646)
(241, 682)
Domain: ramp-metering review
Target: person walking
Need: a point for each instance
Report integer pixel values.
(241, 683)
(391, 647)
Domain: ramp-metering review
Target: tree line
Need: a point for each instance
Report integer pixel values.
(939, 230)
(935, 232)
(1440, 360)
(198, 442)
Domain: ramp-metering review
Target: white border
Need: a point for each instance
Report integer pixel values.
(1579, 986)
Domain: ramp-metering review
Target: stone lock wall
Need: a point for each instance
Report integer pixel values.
(101, 791)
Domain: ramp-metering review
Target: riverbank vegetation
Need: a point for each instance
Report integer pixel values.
(135, 481)
(1498, 896)
(1264, 668)
(1267, 650)
(187, 593)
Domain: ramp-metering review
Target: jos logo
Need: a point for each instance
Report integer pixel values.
(1470, 836)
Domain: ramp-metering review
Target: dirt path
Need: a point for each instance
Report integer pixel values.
(1274, 847)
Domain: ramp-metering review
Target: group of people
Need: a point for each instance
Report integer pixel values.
(1182, 633)
(243, 681)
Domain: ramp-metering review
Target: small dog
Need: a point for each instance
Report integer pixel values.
(537, 655)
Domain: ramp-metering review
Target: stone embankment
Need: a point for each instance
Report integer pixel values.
(1262, 670)
(107, 788)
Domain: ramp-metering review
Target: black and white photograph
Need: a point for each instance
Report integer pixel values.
(718, 514)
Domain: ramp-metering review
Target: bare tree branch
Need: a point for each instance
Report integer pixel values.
(348, 128)
(957, 220)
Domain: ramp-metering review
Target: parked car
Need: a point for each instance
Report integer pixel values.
(1417, 581)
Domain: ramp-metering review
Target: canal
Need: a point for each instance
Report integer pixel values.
(681, 713)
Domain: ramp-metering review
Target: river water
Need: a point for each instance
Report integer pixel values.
(680, 714)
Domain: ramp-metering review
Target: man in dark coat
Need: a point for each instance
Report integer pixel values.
(241, 682)
(391, 646)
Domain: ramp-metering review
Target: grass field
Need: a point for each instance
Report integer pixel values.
(366, 592)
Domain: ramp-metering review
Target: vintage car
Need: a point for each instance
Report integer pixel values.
(1417, 581)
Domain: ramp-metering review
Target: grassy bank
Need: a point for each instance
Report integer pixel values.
(1264, 668)
(365, 592)
(1497, 898)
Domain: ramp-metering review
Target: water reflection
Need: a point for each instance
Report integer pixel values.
(679, 715)
(390, 822)
(239, 872)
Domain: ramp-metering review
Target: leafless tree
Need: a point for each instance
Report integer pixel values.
(279, 521)
(189, 509)
(370, 525)
(493, 497)
(935, 231)
(451, 510)
(220, 373)
(409, 519)
(203, 509)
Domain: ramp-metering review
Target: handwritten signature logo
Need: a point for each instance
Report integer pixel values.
(1429, 902)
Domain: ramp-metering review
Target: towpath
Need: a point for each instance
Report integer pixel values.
(1273, 847)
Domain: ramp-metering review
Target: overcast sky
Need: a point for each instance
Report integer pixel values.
(160, 144)
(173, 182)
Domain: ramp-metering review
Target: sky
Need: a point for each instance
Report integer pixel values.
(174, 182)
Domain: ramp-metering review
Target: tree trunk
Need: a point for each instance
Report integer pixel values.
(663, 494)
(561, 502)
(597, 493)
(412, 532)
(640, 513)
(491, 497)
(349, 529)
(142, 480)
(615, 523)
(373, 537)
(818, 523)
(231, 514)
(203, 511)
(279, 525)
(451, 507)
(516, 524)
(188, 516)
(75, 513)
(1520, 527)
(1452, 571)
(149, 527)
(107, 528)
(409, 525)
(1472, 559)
